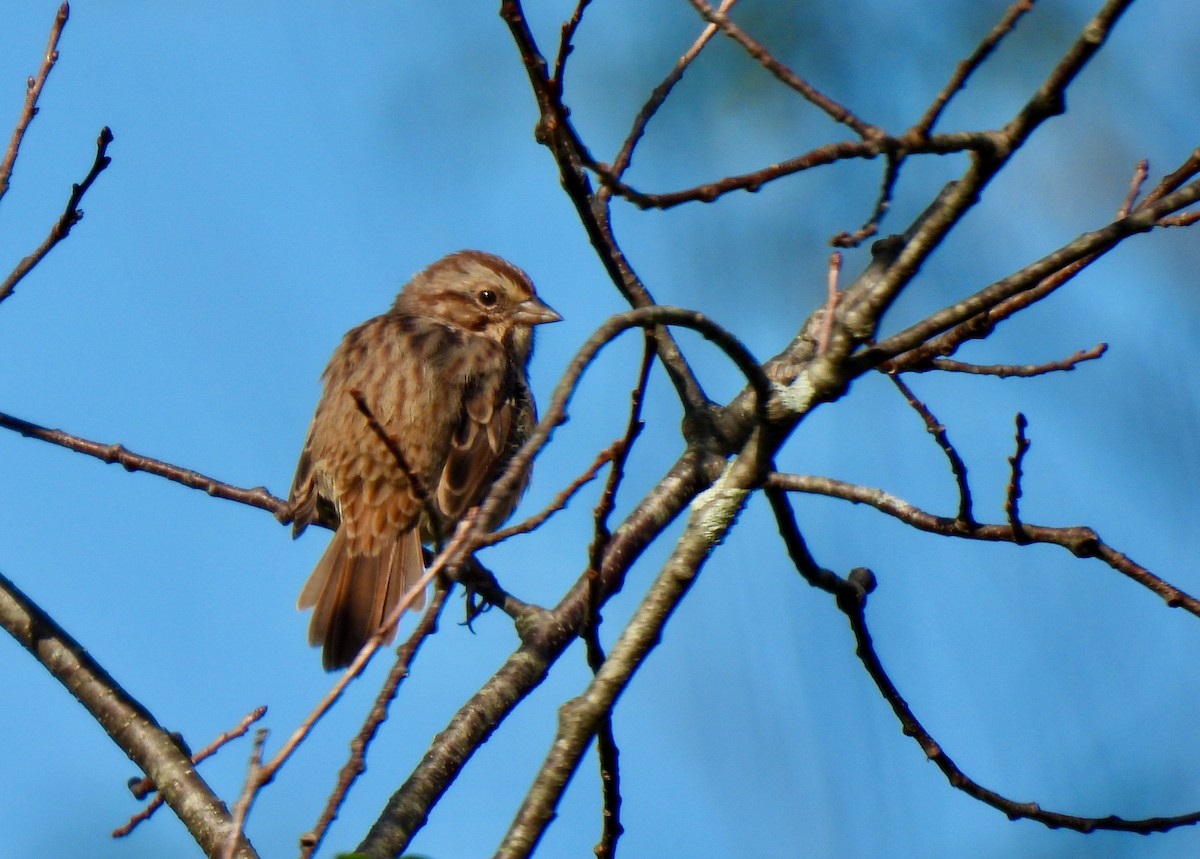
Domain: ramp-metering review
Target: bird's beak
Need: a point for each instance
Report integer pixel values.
(534, 311)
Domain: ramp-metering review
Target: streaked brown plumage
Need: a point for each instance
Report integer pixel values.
(444, 373)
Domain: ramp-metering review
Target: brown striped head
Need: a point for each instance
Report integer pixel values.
(480, 293)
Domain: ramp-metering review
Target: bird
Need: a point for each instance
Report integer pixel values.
(444, 373)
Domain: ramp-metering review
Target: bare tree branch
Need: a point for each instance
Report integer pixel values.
(125, 720)
(970, 65)
(1080, 540)
(958, 779)
(130, 461)
(356, 764)
(69, 218)
(837, 112)
(33, 91)
(936, 429)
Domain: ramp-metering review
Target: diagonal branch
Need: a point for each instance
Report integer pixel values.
(32, 92)
(1022, 371)
(713, 514)
(936, 429)
(755, 49)
(1031, 276)
(125, 720)
(356, 764)
(911, 726)
(1046, 102)
(971, 64)
(69, 218)
(556, 133)
(658, 96)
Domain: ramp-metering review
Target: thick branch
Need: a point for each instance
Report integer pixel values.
(126, 721)
(713, 514)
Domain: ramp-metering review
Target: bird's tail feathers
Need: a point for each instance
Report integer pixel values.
(352, 592)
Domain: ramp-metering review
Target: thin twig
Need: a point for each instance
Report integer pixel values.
(255, 778)
(831, 302)
(1140, 172)
(1079, 540)
(142, 788)
(71, 215)
(1024, 371)
(658, 96)
(33, 90)
(1012, 494)
(356, 763)
(1185, 219)
(967, 67)
(436, 521)
(609, 755)
(140, 817)
(829, 153)
(935, 428)
(1175, 179)
(797, 547)
(115, 453)
(608, 499)
(565, 46)
(607, 751)
(560, 501)
(837, 112)
(891, 174)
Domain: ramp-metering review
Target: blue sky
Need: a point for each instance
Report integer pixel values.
(278, 173)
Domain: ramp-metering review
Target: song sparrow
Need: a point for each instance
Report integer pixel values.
(444, 373)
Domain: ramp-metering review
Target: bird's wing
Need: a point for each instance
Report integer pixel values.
(480, 444)
(303, 496)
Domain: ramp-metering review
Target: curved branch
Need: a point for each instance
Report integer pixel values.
(556, 413)
(855, 612)
(829, 153)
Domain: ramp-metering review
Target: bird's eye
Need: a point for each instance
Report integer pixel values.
(488, 298)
